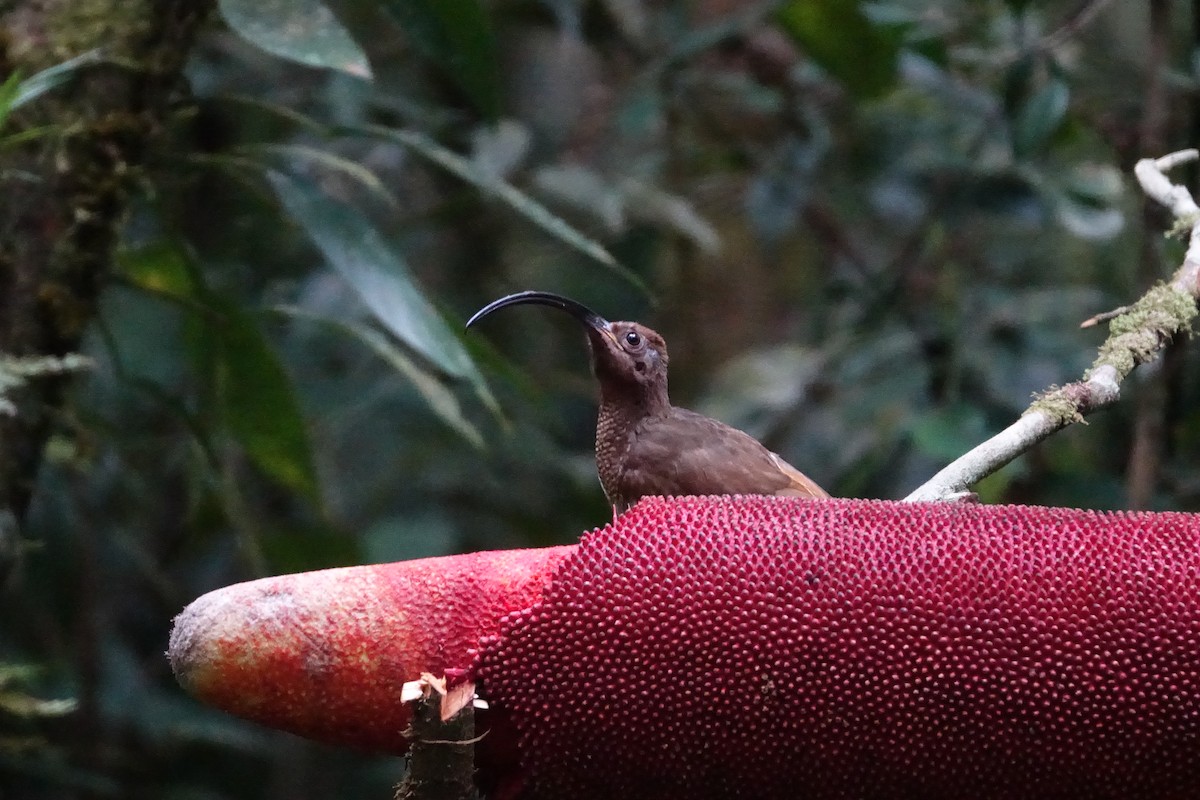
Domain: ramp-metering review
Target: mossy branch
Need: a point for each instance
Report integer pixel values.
(65, 215)
(1136, 336)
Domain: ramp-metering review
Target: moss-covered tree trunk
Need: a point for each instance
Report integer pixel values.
(65, 191)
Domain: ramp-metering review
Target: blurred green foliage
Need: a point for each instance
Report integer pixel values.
(868, 231)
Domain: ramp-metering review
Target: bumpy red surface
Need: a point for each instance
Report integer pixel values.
(768, 648)
(323, 654)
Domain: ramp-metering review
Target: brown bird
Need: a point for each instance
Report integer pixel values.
(645, 445)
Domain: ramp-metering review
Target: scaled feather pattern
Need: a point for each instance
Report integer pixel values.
(772, 648)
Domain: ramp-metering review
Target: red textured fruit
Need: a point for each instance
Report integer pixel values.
(772, 648)
(754, 647)
(323, 654)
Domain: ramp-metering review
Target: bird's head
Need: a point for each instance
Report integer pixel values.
(627, 357)
(630, 353)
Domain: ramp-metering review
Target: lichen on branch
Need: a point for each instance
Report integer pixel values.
(1136, 336)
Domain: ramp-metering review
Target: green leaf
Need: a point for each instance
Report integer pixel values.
(1086, 220)
(436, 394)
(300, 120)
(1041, 117)
(14, 701)
(508, 194)
(258, 405)
(838, 36)
(376, 272)
(304, 31)
(331, 161)
(8, 95)
(1095, 182)
(15, 92)
(159, 267)
(457, 36)
(252, 389)
(1087, 202)
(53, 77)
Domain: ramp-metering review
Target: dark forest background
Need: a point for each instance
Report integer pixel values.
(868, 232)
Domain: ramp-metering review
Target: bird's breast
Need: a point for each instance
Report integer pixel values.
(614, 434)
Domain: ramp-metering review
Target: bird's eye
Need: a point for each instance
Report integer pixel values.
(632, 339)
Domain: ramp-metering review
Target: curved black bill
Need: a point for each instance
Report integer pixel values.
(577, 310)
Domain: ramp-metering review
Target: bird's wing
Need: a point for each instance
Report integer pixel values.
(688, 453)
(800, 485)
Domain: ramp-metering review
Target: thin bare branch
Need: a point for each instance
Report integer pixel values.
(1135, 337)
(1103, 316)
